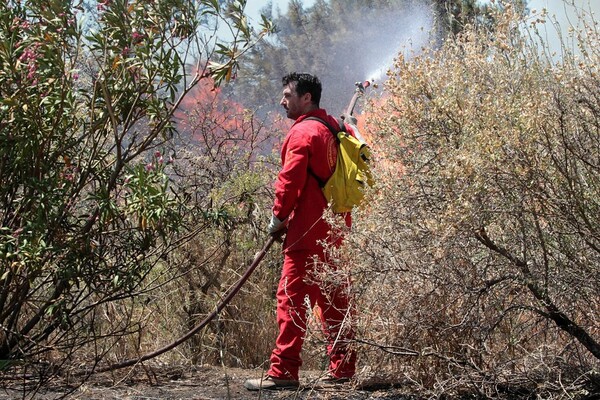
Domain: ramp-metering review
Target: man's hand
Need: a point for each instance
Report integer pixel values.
(275, 225)
(276, 228)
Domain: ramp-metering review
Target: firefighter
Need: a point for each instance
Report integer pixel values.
(308, 157)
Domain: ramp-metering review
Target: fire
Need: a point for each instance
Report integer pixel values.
(367, 123)
(223, 127)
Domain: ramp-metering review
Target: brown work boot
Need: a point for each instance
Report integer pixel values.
(331, 381)
(270, 383)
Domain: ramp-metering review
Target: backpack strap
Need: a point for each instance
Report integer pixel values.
(334, 133)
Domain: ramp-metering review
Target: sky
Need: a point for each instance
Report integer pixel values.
(565, 13)
(557, 6)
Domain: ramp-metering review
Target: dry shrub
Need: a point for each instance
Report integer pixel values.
(476, 261)
(224, 169)
(227, 171)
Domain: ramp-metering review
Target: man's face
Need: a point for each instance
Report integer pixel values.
(294, 105)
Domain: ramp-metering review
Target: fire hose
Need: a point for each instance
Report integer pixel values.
(232, 292)
(358, 93)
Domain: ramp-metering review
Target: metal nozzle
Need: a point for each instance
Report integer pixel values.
(360, 90)
(361, 86)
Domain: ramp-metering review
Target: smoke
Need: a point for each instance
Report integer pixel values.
(364, 48)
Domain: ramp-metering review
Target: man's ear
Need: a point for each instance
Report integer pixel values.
(307, 97)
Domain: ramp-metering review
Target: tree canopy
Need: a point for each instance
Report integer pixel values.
(88, 207)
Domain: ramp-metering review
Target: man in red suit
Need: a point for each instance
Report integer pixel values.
(308, 157)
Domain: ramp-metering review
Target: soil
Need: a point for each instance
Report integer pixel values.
(198, 383)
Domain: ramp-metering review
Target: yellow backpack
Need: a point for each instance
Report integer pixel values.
(344, 190)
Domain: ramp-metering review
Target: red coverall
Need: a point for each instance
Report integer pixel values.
(309, 149)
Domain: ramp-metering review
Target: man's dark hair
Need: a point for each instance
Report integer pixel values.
(305, 83)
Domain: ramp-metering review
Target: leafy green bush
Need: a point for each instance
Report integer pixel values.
(89, 207)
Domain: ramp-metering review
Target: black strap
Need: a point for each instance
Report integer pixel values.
(334, 133)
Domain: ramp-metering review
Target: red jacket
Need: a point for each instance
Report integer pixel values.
(309, 149)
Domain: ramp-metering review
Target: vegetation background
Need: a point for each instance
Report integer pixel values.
(138, 149)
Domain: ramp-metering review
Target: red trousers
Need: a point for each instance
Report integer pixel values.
(299, 282)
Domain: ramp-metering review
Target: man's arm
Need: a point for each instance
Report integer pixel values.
(292, 177)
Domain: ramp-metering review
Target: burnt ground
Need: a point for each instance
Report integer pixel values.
(198, 383)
